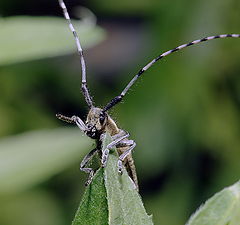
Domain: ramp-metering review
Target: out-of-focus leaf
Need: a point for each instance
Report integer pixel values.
(24, 38)
(222, 209)
(32, 157)
(111, 198)
(32, 207)
(124, 7)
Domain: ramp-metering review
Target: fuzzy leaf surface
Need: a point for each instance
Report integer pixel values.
(93, 209)
(125, 205)
(222, 209)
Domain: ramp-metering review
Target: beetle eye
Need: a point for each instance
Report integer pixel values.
(102, 118)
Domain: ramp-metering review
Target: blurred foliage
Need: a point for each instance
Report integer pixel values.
(23, 161)
(184, 113)
(223, 208)
(39, 38)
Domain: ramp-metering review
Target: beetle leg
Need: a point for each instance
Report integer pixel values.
(89, 170)
(126, 143)
(73, 119)
(105, 152)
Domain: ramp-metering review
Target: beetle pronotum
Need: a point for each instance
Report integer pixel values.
(99, 122)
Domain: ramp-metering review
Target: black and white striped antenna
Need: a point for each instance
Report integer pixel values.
(118, 98)
(85, 90)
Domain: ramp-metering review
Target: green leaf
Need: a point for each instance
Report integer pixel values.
(111, 198)
(30, 158)
(222, 209)
(24, 38)
(93, 209)
(124, 202)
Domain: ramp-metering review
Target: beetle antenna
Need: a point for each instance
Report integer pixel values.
(119, 98)
(85, 90)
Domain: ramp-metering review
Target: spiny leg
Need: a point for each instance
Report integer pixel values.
(88, 157)
(114, 137)
(126, 147)
(73, 119)
(127, 143)
(105, 152)
(120, 134)
(88, 170)
(85, 90)
(118, 98)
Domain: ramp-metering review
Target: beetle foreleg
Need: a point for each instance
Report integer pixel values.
(73, 119)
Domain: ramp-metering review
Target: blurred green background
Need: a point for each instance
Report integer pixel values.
(184, 113)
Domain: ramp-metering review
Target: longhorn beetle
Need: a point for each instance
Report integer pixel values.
(99, 122)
